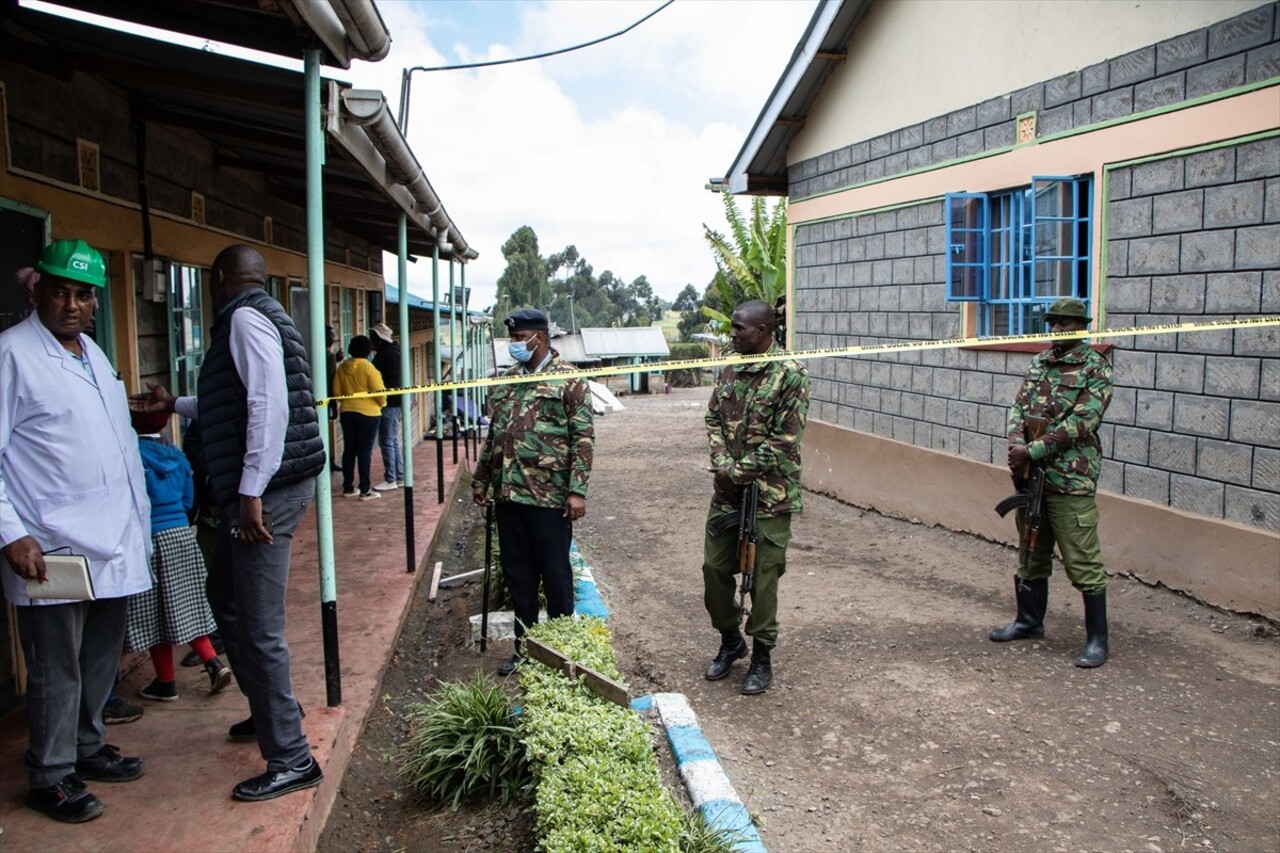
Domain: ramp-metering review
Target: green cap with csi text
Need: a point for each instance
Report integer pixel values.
(74, 260)
(1067, 308)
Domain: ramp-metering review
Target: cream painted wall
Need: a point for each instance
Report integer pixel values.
(912, 60)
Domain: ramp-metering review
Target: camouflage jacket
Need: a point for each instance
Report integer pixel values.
(541, 439)
(1071, 392)
(755, 421)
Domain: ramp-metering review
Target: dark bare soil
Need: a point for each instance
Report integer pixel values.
(893, 723)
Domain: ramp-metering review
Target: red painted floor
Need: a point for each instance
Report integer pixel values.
(183, 802)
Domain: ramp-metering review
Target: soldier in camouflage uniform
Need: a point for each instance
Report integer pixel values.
(1069, 385)
(754, 423)
(535, 465)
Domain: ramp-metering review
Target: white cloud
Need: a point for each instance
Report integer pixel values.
(607, 148)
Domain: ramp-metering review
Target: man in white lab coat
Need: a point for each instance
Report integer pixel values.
(70, 478)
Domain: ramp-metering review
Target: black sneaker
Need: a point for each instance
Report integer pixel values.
(160, 691)
(119, 711)
(108, 765)
(510, 665)
(66, 800)
(219, 675)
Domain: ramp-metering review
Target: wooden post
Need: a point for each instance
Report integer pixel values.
(601, 685)
(435, 581)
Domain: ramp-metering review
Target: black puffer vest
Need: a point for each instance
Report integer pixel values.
(223, 409)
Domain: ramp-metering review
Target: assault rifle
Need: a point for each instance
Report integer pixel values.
(748, 535)
(1029, 497)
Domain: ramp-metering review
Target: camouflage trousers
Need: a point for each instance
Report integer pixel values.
(1070, 521)
(720, 581)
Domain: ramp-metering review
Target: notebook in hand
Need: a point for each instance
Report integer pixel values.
(67, 577)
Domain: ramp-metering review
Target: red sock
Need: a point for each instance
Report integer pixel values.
(162, 660)
(204, 648)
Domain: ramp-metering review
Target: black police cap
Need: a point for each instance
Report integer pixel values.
(527, 318)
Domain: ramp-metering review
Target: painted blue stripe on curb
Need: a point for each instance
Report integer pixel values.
(689, 744)
(734, 817)
(586, 597)
(641, 704)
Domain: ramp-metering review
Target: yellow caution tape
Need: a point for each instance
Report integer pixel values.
(866, 349)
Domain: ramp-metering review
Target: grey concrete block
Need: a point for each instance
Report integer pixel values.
(992, 419)
(1232, 377)
(935, 129)
(893, 244)
(1123, 402)
(1154, 256)
(1264, 341)
(1266, 469)
(1203, 416)
(1134, 369)
(1114, 104)
(946, 439)
(874, 170)
(1216, 166)
(1181, 52)
(911, 137)
(1112, 477)
(1271, 291)
(935, 410)
(1130, 444)
(1172, 452)
(1262, 63)
(1191, 494)
(1216, 76)
(1117, 258)
(1258, 247)
(1178, 211)
(1232, 292)
(1160, 92)
(1242, 32)
(1252, 507)
(1271, 201)
(1208, 251)
(911, 406)
(994, 110)
(1216, 343)
(1179, 372)
(1146, 484)
(1224, 461)
(896, 163)
(1005, 387)
(1062, 90)
(1158, 176)
(976, 387)
(946, 382)
(922, 379)
(880, 146)
(961, 414)
(1255, 422)
(1131, 217)
(1159, 342)
(1055, 120)
(1120, 183)
(1234, 204)
(962, 121)
(1027, 100)
(890, 401)
(1133, 67)
(1178, 294)
(1269, 386)
(968, 144)
(923, 435)
(975, 445)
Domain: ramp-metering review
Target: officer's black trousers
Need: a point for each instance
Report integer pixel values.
(534, 542)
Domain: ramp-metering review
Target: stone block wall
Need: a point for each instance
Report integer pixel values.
(1235, 52)
(1195, 423)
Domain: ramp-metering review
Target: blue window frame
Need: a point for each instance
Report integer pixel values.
(1014, 252)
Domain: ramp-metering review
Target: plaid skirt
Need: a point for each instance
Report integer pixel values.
(176, 609)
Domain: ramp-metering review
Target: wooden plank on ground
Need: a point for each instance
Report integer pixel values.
(453, 580)
(601, 685)
(435, 581)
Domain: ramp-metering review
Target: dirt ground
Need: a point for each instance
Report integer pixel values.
(892, 722)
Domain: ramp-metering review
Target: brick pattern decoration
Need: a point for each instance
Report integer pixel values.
(1195, 423)
(1238, 51)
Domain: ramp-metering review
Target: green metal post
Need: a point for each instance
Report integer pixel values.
(406, 409)
(435, 334)
(453, 357)
(320, 376)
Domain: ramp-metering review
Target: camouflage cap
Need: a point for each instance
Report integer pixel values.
(1067, 308)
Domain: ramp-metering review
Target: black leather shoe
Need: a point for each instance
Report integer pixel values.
(108, 765)
(760, 675)
(733, 646)
(277, 783)
(66, 800)
(510, 665)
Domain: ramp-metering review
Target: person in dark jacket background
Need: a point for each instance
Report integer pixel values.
(386, 357)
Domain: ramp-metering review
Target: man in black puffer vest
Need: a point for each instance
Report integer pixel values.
(262, 447)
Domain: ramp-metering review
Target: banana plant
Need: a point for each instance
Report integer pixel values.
(751, 263)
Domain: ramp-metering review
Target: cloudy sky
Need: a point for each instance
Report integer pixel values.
(607, 148)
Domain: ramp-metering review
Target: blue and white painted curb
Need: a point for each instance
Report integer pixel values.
(708, 786)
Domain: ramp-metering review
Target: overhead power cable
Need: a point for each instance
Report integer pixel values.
(515, 59)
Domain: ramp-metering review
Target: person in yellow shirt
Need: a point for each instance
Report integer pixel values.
(360, 418)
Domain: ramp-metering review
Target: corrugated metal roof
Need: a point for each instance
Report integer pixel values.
(625, 341)
(418, 303)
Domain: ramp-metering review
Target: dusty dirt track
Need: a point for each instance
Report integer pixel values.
(893, 723)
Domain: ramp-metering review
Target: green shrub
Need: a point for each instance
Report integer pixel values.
(597, 782)
(464, 744)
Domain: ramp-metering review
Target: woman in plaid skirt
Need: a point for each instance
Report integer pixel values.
(175, 610)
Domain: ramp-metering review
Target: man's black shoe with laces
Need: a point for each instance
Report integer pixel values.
(277, 783)
(108, 765)
(66, 800)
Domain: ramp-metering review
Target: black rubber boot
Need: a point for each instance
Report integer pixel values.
(1095, 629)
(760, 675)
(1033, 598)
(732, 647)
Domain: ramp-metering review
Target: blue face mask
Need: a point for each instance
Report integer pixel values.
(519, 350)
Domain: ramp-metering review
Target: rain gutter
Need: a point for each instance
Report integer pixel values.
(348, 29)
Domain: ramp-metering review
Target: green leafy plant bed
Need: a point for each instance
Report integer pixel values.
(597, 783)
